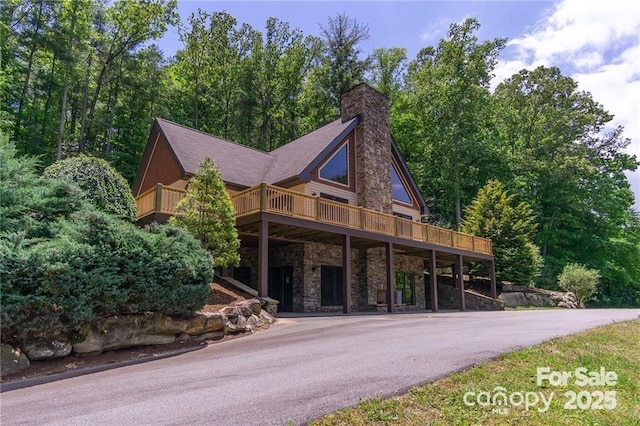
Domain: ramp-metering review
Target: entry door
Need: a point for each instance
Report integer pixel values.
(281, 287)
(330, 285)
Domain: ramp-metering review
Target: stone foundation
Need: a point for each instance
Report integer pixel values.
(368, 274)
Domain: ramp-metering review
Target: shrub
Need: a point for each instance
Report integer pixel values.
(99, 266)
(101, 183)
(64, 263)
(580, 280)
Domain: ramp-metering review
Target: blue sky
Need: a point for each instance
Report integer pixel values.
(596, 42)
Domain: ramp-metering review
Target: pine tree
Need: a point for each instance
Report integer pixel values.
(492, 214)
(207, 213)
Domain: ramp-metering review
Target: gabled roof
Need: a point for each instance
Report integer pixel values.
(300, 156)
(245, 166)
(238, 164)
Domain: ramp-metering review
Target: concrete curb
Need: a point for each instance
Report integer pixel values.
(40, 380)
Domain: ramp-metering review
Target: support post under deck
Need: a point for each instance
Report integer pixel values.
(263, 259)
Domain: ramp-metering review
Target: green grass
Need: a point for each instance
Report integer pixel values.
(616, 347)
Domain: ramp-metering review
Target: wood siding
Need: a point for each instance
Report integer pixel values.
(406, 210)
(318, 188)
(162, 167)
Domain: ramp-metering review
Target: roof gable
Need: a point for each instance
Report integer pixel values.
(300, 156)
(245, 166)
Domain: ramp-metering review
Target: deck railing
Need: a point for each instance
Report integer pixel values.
(272, 199)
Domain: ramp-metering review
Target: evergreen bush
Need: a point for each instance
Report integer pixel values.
(102, 184)
(64, 263)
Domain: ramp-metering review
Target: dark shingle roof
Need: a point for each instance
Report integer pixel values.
(238, 164)
(245, 166)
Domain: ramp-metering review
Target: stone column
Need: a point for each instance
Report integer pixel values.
(373, 146)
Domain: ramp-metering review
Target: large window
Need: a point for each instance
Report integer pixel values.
(406, 286)
(398, 189)
(330, 285)
(337, 168)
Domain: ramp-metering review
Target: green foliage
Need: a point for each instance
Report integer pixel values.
(207, 213)
(102, 185)
(85, 73)
(64, 263)
(492, 214)
(450, 135)
(580, 280)
(29, 204)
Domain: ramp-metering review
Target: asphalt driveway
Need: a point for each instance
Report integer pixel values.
(296, 371)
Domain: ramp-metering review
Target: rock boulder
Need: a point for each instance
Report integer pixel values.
(12, 360)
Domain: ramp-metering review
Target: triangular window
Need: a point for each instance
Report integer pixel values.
(398, 189)
(337, 168)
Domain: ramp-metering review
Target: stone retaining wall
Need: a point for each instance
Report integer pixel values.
(140, 330)
(449, 298)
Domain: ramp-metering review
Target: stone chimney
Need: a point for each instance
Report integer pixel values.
(373, 146)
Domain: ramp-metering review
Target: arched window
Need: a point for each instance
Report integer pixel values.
(337, 167)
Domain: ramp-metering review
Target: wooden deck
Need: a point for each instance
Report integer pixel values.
(271, 199)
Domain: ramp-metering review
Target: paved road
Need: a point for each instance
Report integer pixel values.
(298, 370)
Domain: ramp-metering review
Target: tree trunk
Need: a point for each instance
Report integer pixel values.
(83, 114)
(65, 89)
(27, 79)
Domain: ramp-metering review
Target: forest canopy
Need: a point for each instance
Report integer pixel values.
(84, 76)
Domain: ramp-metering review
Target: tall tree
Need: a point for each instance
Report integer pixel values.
(568, 165)
(495, 214)
(388, 70)
(342, 66)
(449, 93)
(127, 25)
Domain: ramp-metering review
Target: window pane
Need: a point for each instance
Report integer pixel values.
(400, 193)
(337, 168)
(405, 284)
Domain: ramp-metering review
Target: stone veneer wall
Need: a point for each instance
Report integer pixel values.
(316, 255)
(249, 258)
(373, 146)
(368, 274)
(449, 298)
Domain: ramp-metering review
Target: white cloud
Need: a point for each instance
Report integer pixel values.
(596, 43)
(436, 31)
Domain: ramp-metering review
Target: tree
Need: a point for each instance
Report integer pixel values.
(388, 67)
(101, 184)
(579, 280)
(342, 67)
(492, 214)
(571, 169)
(207, 213)
(448, 91)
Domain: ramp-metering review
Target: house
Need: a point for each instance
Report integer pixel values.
(330, 221)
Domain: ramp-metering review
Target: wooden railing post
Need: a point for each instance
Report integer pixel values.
(362, 218)
(263, 196)
(453, 238)
(473, 242)
(158, 199)
(396, 224)
(318, 208)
